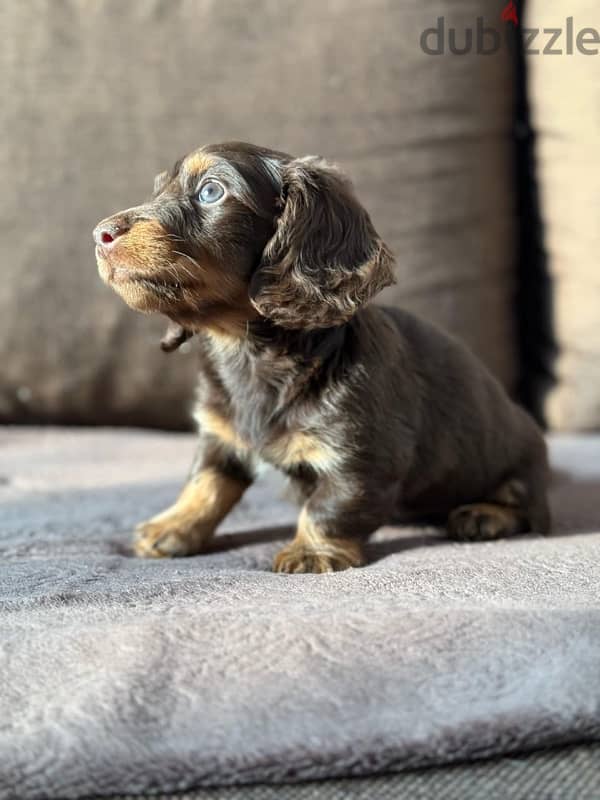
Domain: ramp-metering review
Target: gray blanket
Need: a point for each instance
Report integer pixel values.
(119, 675)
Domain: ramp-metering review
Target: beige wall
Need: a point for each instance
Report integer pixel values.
(565, 92)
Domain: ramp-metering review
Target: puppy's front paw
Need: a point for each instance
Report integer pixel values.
(333, 556)
(170, 537)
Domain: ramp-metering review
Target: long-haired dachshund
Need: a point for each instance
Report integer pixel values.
(370, 411)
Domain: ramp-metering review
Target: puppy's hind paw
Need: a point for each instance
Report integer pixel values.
(483, 522)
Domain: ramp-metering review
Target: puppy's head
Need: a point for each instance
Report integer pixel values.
(234, 233)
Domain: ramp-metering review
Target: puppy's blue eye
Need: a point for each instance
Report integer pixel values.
(210, 192)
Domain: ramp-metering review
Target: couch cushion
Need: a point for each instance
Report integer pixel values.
(565, 92)
(97, 98)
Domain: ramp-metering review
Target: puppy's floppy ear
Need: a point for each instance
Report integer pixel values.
(325, 259)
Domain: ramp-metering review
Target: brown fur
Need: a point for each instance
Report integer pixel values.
(351, 270)
(371, 412)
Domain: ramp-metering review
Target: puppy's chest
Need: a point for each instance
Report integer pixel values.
(286, 447)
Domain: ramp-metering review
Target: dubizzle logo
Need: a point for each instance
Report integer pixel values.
(486, 40)
(509, 13)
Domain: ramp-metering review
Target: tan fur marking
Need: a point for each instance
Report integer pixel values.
(198, 162)
(187, 526)
(209, 496)
(230, 326)
(308, 532)
(145, 246)
(211, 421)
(313, 551)
(301, 448)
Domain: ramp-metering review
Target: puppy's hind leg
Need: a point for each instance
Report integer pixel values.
(515, 507)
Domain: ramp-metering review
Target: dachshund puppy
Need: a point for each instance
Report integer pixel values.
(371, 412)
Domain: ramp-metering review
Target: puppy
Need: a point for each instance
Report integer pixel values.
(371, 412)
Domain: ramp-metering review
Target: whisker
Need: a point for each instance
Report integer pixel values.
(185, 255)
(185, 270)
(189, 258)
(170, 236)
(172, 271)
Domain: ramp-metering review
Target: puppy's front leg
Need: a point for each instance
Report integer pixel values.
(332, 527)
(313, 550)
(216, 484)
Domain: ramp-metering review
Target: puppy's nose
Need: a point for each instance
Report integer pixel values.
(108, 231)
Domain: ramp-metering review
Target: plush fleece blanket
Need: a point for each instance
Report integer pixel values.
(119, 675)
